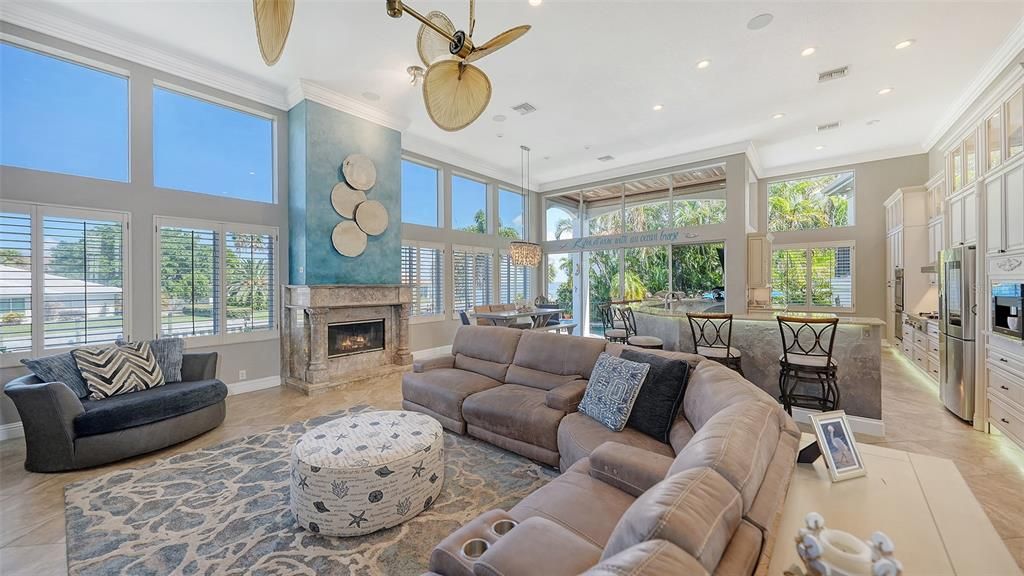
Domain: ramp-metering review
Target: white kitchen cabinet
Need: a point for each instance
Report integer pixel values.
(759, 252)
(934, 240)
(1013, 214)
(970, 218)
(956, 221)
(994, 216)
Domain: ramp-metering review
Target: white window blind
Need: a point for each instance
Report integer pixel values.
(471, 278)
(83, 299)
(189, 281)
(514, 281)
(15, 282)
(422, 271)
(249, 271)
(831, 277)
(789, 276)
(818, 277)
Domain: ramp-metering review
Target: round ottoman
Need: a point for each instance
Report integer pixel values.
(366, 472)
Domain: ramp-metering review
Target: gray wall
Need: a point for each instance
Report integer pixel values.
(144, 201)
(875, 181)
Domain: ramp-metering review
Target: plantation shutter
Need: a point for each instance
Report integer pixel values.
(471, 278)
(514, 281)
(249, 274)
(789, 276)
(15, 282)
(189, 282)
(831, 281)
(83, 300)
(421, 270)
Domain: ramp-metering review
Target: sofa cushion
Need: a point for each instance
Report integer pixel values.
(558, 353)
(680, 433)
(661, 395)
(491, 343)
(578, 502)
(537, 378)
(146, 406)
(612, 390)
(59, 368)
(443, 390)
(738, 443)
(486, 368)
(616, 349)
(169, 354)
(114, 370)
(650, 558)
(712, 387)
(697, 510)
(517, 412)
(579, 435)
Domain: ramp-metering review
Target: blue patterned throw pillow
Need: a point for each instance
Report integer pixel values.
(612, 390)
(59, 368)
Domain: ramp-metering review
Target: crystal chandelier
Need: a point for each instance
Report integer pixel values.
(525, 253)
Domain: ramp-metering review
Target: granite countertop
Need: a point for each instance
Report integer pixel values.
(768, 316)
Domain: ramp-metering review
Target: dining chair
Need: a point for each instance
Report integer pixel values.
(464, 317)
(807, 363)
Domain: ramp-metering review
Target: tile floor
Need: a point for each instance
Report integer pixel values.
(32, 505)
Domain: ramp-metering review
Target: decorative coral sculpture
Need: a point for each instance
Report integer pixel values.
(828, 552)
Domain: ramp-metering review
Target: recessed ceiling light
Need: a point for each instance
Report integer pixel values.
(500, 135)
(884, 91)
(873, 121)
(536, 2)
(371, 96)
(547, 157)
(778, 116)
(819, 147)
(808, 51)
(657, 107)
(904, 44)
(499, 118)
(703, 64)
(586, 146)
(760, 21)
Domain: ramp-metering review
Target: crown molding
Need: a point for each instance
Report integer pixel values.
(433, 150)
(1003, 58)
(309, 90)
(842, 161)
(45, 18)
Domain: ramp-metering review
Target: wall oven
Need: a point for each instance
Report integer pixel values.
(1007, 316)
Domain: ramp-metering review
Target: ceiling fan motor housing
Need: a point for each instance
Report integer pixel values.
(461, 46)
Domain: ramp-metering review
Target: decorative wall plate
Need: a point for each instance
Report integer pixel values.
(372, 217)
(359, 171)
(348, 239)
(344, 198)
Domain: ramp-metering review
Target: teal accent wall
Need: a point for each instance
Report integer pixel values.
(320, 138)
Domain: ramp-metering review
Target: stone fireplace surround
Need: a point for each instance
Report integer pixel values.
(307, 311)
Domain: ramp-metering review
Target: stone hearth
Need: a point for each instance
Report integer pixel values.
(310, 311)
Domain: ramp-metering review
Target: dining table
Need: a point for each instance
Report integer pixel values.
(536, 316)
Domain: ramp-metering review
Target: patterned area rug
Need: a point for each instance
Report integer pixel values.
(224, 510)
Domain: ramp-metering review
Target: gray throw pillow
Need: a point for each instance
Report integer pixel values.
(169, 353)
(114, 370)
(59, 368)
(612, 390)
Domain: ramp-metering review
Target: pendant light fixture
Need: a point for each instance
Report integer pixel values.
(523, 253)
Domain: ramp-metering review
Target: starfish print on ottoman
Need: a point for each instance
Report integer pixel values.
(384, 447)
(357, 521)
(417, 471)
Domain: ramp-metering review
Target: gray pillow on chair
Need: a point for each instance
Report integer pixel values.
(168, 352)
(59, 368)
(612, 390)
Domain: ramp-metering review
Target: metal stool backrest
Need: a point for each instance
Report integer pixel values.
(605, 309)
(624, 314)
(707, 329)
(464, 317)
(808, 341)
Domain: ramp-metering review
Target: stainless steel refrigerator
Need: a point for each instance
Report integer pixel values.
(957, 328)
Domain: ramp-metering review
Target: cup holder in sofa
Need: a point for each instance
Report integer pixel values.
(502, 527)
(475, 548)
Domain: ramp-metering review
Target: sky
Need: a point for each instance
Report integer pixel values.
(419, 199)
(72, 119)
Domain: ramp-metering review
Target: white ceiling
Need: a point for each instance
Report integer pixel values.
(595, 69)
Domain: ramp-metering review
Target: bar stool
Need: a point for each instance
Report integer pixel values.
(625, 314)
(807, 359)
(707, 329)
(611, 333)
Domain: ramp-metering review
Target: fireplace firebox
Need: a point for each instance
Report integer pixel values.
(347, 338)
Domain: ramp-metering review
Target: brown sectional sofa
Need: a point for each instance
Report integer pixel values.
(706, 503)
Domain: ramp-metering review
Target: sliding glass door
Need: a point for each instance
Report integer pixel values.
(603, 286)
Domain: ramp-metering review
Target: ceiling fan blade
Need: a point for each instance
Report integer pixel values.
(273, 21)
(430, 45)
(455, 94)
(472, 17)
(500, 41)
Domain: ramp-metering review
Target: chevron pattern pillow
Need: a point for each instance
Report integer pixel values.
(114, 370)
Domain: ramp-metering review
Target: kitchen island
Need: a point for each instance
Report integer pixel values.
(857, 351)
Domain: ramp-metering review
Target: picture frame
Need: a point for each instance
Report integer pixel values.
(838, 445)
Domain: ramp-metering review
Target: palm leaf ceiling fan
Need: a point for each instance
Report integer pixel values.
(455, 91)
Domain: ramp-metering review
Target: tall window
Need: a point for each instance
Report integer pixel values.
(422, 267)
(61, 116)
(199, 146)
(419, 194)
(469, 205)
(511, 214)
(825, 201)
(698, 274)
(561, 216)
(471, 277)
(16, 286)
(513, 281)
(215, 278)
(814, 277)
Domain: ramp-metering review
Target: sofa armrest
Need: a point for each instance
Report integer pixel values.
(650, 558)
(628, 468)
(537, 545)
(433, 363)
(48, 411)
(566, 397)
(197, 366)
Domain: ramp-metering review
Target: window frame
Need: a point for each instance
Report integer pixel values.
(222, 229)
(439, 188)
(216, 101)
(489, 202)
(37, 212)
(852, 200)
(442, 313)
(807, 247)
